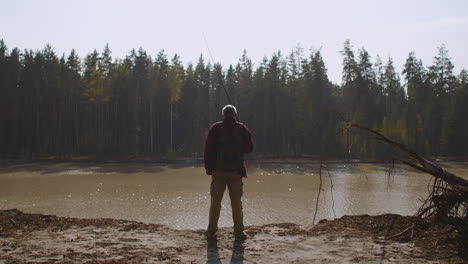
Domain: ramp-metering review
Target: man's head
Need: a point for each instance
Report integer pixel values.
(229, 111)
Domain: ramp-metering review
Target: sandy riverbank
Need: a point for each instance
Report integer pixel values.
(36, 238)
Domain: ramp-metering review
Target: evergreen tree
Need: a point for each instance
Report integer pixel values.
(442, 82)
(457, 138)
(244, 92)
(175, 81)
(419, 99)
(393, 92)
(441, 74)
(189, 107)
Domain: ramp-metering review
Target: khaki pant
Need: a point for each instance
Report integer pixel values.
(219, 180)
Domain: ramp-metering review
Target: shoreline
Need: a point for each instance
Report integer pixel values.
(199, 160)
(388, 238)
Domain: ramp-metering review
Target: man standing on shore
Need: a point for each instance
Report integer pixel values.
(225, 145)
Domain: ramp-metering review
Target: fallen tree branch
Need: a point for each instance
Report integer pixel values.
(411, 165)
(445, 183)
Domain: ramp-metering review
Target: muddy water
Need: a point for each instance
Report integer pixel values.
(178, 196)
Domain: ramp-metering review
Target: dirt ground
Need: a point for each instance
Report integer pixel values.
(36, 238)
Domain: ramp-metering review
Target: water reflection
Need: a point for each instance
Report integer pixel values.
(178, 196)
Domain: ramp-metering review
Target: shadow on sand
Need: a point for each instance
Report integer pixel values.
(212, 252)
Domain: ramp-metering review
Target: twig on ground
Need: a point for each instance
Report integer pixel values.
(412, 232)
(402, 232)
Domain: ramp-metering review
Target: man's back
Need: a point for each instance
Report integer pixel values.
(220, 132)
(225, 145)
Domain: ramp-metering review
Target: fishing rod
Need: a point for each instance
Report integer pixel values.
(218, 72)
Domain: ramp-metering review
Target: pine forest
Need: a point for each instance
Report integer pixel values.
(144, 106)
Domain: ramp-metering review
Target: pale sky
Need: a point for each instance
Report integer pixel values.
(385, 28)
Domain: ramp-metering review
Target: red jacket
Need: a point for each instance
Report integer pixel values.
(211, 148)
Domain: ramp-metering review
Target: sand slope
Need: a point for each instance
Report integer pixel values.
(35, 238)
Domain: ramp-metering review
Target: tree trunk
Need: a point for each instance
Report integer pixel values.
(170, 129)
(151, 126)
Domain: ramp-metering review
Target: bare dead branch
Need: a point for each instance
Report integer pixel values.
(331, 192)
(402, 232)
(318, 194)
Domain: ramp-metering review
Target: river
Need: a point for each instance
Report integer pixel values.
(178, 195)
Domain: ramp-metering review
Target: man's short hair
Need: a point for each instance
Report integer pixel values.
(229, 110)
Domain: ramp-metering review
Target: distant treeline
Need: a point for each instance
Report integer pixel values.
(101, 107)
